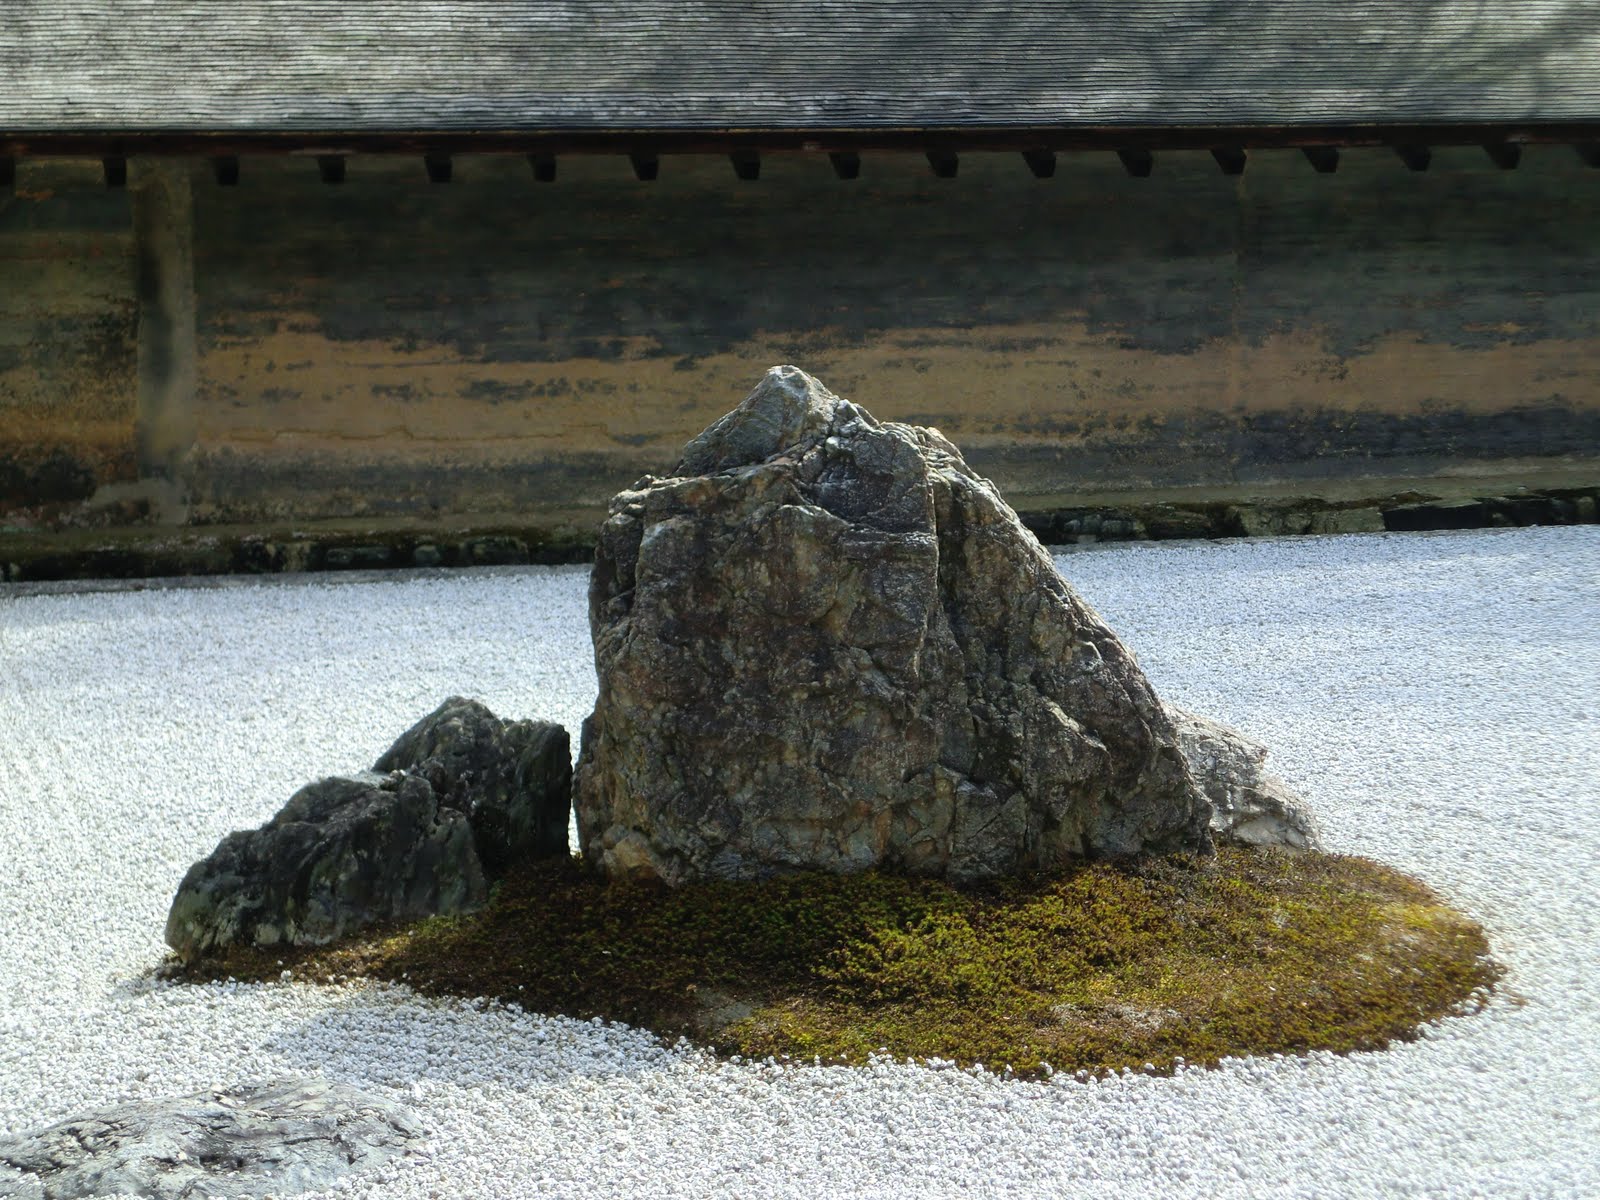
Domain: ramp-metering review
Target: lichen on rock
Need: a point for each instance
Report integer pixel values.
(279, 1138)
(461, 796)
(825, 642)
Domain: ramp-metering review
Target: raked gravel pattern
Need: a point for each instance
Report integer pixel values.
(1435, 696)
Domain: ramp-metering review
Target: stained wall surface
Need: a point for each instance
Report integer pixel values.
(68, 317)
(494, 346)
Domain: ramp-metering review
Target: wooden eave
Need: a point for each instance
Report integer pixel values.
(185, 143)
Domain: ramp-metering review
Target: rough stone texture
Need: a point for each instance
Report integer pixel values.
(1248, 806)
(826, 642)
(276, 1139)
(343, 853)
(513, 779)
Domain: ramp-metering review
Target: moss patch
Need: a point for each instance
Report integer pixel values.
(1106, 966)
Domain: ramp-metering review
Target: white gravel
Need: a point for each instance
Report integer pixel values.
(1435, 695)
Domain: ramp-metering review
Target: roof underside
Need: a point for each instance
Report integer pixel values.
(258, 66)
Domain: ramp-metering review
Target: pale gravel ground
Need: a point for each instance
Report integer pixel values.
(1436, 696)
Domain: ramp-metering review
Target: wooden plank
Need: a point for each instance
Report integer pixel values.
(1324, 159)
(1041, 162)
(1137, 161)
(1231, 159)
(1416, 158)
(1015, 139)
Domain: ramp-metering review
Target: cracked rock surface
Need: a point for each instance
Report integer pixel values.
(825, 642)
(1248, 806)
(458, 798)
(513, 779)
(279, 1138)
(343, 853)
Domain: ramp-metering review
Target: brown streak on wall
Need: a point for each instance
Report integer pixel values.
(67, 313)
(496, 345)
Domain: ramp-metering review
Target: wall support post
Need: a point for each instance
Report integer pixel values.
(163, 230)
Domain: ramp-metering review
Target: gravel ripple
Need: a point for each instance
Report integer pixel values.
(1436, 696)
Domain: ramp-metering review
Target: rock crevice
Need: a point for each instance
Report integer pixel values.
(825, 642)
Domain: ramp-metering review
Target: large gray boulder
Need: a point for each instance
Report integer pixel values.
(825, 642)
(512, 779)
(342, 854)
(276, 1139)
(1248, 806)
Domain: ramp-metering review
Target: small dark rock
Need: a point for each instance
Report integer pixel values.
(344, 558)
(278, 1139)
(1533, 510)
(513, 779)
(494, 551)
(1456, 514)
(459, 797)
(342, 854)
(1165, 521)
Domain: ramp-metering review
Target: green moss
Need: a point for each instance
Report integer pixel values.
(1106, 966)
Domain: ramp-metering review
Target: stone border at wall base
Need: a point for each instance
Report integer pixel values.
(154, 551)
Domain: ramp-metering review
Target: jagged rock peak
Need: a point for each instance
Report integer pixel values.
(825, 642)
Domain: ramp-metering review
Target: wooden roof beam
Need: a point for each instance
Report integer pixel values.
(1137, 161)
(846, 164)
(1231, 160)
(746, 164)
(330, 168)
(225, 170)
(646, 166)
(944, 163)
(440, 168)
(544, 167)
(1416, 158)
(1041, 162)
(1323, 159)
(115, 169)
(1505, 155)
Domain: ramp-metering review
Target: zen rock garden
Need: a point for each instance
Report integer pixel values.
(863, 771)
(823, 643)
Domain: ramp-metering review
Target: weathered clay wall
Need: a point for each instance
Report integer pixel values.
(68, 372)
(495, 347)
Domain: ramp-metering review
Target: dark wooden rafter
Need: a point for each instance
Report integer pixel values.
(1323, 159)
(8, 172)
(1231, 159)
(440, 167)
(1505, 155)
(958, 139)
(1416, 158)
(1137, 161)
(844, 148)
